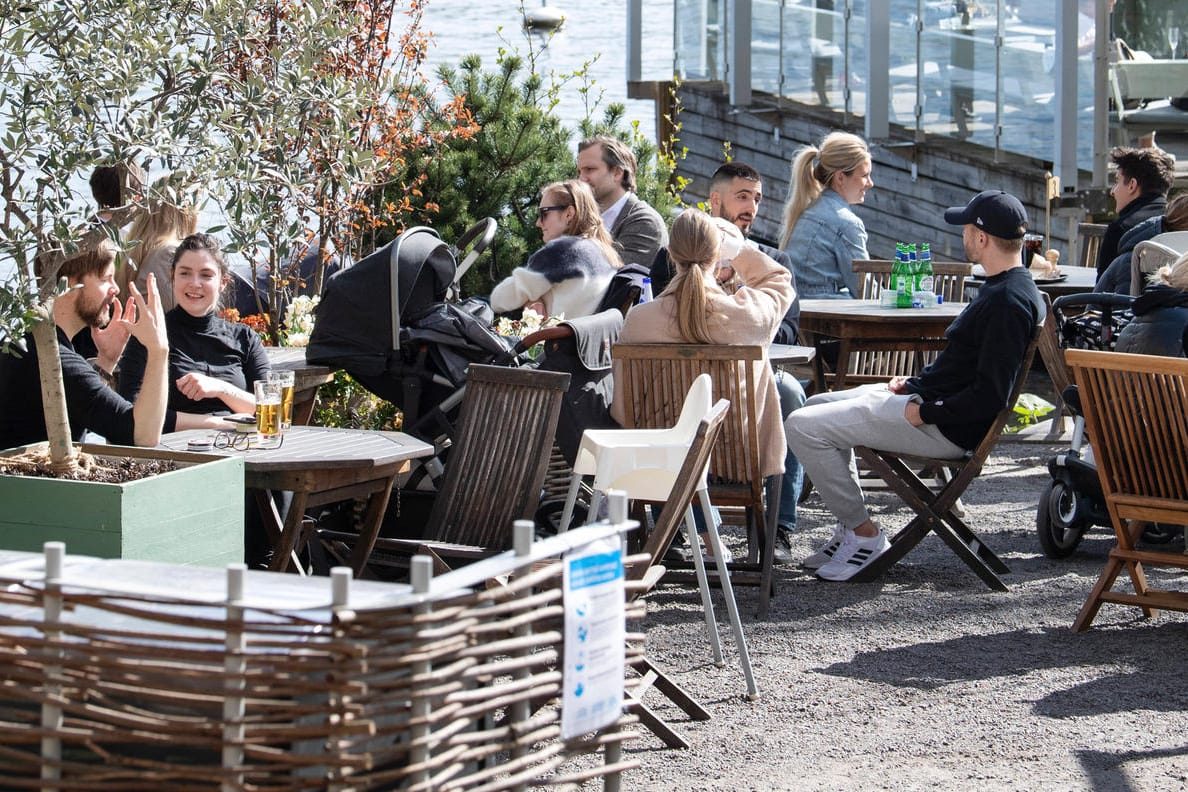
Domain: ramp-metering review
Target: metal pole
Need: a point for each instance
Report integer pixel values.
(878, 77)
(1065, 154)
(235, 664)
(740, 53)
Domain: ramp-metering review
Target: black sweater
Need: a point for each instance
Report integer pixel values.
(90, 403)
(204, 344)
(971, 380)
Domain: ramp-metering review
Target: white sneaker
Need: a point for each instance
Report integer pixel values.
(727, 556)
(825, 554)
(854, 555)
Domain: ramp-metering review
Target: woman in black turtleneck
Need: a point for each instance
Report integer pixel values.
(212, 362)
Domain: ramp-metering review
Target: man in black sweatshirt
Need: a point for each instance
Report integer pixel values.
(1141, 183)
(944, 411)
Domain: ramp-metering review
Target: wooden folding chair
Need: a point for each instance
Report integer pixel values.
(495, 470)
(882, 360)
(948, 278)
(651, 382)
(938, 510)
(1089, 237)
(1136, 413)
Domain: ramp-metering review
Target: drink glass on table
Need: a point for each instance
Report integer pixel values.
(285, 378)
(1033, 245)
(268, 413)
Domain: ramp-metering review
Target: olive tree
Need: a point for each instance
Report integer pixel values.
(284, 113)
(83, 85)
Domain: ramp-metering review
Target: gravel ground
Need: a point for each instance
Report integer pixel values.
(928, 679)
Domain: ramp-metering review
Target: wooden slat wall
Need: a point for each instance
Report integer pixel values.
(899, 208)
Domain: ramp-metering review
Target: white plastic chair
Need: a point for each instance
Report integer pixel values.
(644, 463)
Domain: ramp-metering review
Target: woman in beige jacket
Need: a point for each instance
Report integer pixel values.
(719, 296)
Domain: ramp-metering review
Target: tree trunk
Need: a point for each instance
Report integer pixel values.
(53, 393)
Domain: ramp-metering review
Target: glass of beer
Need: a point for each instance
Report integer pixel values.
(1033, 245)
(268, 414)
(285, 379)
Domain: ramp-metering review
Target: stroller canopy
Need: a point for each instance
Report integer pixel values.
(362, 307)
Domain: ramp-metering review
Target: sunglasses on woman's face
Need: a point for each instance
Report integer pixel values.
(544, 210)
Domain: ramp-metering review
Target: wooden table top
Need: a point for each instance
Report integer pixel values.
(315, 447)
(308, 374)
(872, 311)
(790, 354)
(1074, 280)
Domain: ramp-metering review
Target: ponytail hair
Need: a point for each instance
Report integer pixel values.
(813, 170)
(693, 246)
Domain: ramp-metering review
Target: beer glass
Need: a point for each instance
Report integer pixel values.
(268, 414)
(285, 379)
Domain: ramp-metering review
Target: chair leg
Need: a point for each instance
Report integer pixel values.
(656, 725)
(771, 523)
(654, 677)
(707, 602)
(740, 640)
(1094, 602)
(595, 505)
(575, 484)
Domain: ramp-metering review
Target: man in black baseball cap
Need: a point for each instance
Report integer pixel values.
(944, 411)
(993, 211)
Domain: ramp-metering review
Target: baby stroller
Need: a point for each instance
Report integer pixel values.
(1073, 501)
(389, 323)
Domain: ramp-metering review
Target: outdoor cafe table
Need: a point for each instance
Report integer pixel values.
(319, 466)
(790, 354)
(1073, 280)
(307, 378)
(868, 324)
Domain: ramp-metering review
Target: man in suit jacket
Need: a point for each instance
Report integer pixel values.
(735, 192)
(608, 166)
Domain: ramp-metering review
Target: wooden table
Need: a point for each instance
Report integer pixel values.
(790, 354)
(319, 466)
(1077, 280)
(866, 323)
(306, 381)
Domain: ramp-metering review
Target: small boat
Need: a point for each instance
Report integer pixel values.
(543, 18)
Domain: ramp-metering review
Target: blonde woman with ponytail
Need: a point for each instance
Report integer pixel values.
(820, 232)
(724, 292)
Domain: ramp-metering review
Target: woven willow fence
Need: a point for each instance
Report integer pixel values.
(125, 675)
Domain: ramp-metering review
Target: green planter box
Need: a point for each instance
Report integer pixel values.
(192, 515)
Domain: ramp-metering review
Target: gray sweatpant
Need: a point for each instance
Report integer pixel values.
(822, 434)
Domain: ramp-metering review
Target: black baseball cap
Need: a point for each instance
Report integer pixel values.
(997, 213)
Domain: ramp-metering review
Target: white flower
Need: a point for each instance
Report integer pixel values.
(299, 320)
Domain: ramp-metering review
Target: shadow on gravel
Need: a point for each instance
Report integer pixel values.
(1106, 770)
(1117, 669)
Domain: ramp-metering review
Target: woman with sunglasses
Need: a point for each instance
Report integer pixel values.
(569, 275)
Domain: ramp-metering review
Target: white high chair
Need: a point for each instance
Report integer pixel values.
(644, 464)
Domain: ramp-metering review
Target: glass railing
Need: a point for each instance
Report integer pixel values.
(951, 72)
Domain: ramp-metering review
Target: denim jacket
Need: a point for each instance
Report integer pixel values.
(826, 239)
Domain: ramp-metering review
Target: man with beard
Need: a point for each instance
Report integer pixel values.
(944, 411)
(736, 189)
(90, 402)
(608, 166)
